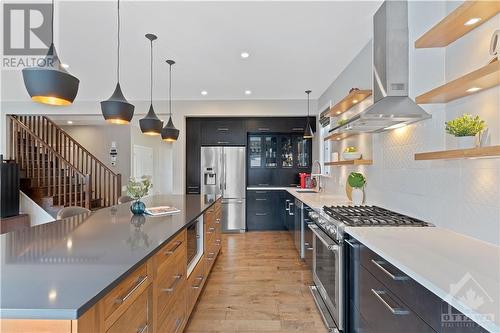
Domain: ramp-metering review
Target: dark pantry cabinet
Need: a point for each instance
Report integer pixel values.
(282, 140)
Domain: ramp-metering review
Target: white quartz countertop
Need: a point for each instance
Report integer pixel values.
(461, 270)
(313, 200)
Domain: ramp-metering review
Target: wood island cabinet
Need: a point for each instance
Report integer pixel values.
(157, 297)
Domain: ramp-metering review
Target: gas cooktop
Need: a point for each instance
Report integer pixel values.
(359, 216)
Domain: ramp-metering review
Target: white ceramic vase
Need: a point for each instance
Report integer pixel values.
(358, 196)
(466, 142)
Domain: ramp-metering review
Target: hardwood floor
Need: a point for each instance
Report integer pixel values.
(258, 284)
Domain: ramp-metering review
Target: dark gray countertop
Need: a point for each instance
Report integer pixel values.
(60, 269)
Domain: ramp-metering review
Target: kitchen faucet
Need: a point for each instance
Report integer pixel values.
(317, 175)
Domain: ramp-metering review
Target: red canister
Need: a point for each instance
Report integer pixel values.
(302, 176)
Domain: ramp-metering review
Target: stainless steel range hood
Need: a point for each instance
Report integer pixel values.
(392, 107)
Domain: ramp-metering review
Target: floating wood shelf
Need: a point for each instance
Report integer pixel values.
(338, 136)
(353, 162)
(485, 77)
(348, 102)
(492, 151)
(452, 27)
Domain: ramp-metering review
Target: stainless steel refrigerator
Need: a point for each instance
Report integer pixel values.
(223, 172)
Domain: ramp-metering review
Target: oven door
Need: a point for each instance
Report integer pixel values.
(327, 273)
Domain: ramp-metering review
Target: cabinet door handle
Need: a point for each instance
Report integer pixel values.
(173, 248)
(223, 129)
(290, 211)
(140, 281)
(199, 278)
(394, 277)
(193, 187)
(395, 311)
(261, 192)
(263, 129)
(143, 328)
(222, 142)
(261, 199)
(298, 129)
(172, 287)
(261, 214)
(192, 192)
(263, 184)
(178, 323)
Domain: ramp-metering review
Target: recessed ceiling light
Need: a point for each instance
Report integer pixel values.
(245, 55)
(472, 21)
(354, 101)
(248, 92)
(69, 122)
(473, 89)
(338, 112)
(204, 92)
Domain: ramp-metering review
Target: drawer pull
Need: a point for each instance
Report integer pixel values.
(223, 129)
(218, 241)
(260, 214)
(298, 129)
(178, 323)
(211, 230)
(379, 264)
(264, 184)
(193, 187)
(261, 199)
(199, 278)
(263, 129)
(261, 192)
(172, 250)
(222, 142)
(211, 258)
(395, 311)
(217, 221)
(143, 328)
(170, 289)
(140, 281)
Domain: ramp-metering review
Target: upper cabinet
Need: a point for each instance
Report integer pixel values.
(223, 132)
(279, 124)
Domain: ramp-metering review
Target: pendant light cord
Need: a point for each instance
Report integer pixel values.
(52, 23)
(170, 91)
(118, 47)
(151, 83)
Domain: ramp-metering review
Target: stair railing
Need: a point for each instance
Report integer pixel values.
(105, 183)
(47, 168)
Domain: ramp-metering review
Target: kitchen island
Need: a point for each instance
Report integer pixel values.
(86, 271)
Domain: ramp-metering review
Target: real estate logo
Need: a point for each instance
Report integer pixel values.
(26, 34)
(473, 296)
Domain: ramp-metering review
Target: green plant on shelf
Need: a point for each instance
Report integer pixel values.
(342, 122)
(467, 125)
(356, 180)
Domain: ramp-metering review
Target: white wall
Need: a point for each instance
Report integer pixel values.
(462, 195)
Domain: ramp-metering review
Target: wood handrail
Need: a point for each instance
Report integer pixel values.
(76, 143)
(105, 184)
(30, 132)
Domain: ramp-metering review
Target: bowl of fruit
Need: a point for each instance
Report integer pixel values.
(351, 153)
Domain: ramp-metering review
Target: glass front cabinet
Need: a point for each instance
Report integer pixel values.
(279, 151)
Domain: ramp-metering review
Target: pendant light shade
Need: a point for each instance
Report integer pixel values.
(169, 133)
(151, 125)
(50, 83)
(116, 109)
(308, 133)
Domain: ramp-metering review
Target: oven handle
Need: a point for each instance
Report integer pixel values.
(323, 237)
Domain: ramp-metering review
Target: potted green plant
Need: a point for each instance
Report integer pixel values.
(138, 189)
(465, 129)
(357, 181)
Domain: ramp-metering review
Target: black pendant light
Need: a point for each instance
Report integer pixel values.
(169, 133)
(151, 125)
(308, 133)
(116, 109)
(50, 83)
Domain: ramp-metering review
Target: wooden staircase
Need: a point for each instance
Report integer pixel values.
(56, 171)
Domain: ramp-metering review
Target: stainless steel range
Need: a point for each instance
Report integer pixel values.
(328, 255)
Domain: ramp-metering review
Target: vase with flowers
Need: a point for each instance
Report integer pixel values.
(138, 188)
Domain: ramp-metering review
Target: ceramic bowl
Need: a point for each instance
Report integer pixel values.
(351, 156)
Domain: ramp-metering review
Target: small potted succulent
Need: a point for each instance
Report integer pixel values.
(357, 181)
(465, 129)
(351, 153)
(138, 189)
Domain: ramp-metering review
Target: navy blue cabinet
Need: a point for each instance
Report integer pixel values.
(262, 210)
(381, 298)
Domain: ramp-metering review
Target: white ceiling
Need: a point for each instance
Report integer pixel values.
(293, 46)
